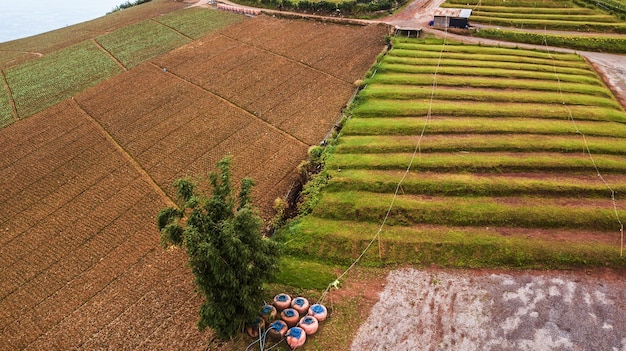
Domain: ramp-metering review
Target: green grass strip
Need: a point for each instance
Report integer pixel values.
(488, 72)
(527, 212)
(197, 22)
(601, 44)
(343, 241)
(480, 143)
(514, 3)
(486, 57)
(449, 184)
(480, 162)
(413, 44)
(583, 26)
(304, 274)
(489, 82)
(411, 108)
(407, 92)
(565, 17)
(140, 42)
(471, 62)
(414, 126)
(41, 83)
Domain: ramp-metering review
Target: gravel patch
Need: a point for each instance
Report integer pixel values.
(469, 310)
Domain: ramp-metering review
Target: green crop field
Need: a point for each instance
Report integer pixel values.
(197, 22)
(135, 44)
(503, 148)
(53, 78)
(6, 112)
(40, 80)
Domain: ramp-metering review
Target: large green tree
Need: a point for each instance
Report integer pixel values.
(227, 252)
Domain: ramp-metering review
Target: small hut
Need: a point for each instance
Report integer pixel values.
(451, 18)
(409, 32)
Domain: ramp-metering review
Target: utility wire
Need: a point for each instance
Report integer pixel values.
(416, 153)
(587, 149)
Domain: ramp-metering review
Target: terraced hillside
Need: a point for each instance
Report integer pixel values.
(516, 154)
(550, 14)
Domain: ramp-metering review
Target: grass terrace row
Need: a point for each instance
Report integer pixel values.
(505, 167)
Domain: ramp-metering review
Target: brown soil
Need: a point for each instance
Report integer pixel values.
(79, 253)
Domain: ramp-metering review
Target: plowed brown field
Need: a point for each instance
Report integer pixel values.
(82, 181)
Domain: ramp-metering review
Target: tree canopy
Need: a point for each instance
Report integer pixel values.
(227, 252)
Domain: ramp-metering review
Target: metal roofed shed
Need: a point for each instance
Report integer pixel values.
(455, 18)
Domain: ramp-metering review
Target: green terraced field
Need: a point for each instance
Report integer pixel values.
(505, 166)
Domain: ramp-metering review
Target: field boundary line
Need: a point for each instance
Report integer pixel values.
(143, 173)
(118, 62)
(287, 58)
(172, 29)
(10, 94)
(247, 112)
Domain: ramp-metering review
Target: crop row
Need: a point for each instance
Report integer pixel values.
(481, 143)
(528, 212)
(495, 58)
(436, 45)
(472, 184)
(615, 45)
(488, 82)
(480, 162)
(487, 72)
(571, 25)
(342, 241)
(399, 92)
(197, 22)
(52, 78)
(415, 108)
(135, 44)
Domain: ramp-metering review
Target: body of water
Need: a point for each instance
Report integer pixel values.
(24, 18)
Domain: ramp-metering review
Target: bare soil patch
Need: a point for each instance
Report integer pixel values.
(493, 310)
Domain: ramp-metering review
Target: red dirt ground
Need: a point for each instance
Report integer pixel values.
(80, 259)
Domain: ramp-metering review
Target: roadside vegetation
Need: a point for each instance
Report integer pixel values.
(339, 8)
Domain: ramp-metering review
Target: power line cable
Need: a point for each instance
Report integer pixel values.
(416, 153)
(587, 149)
